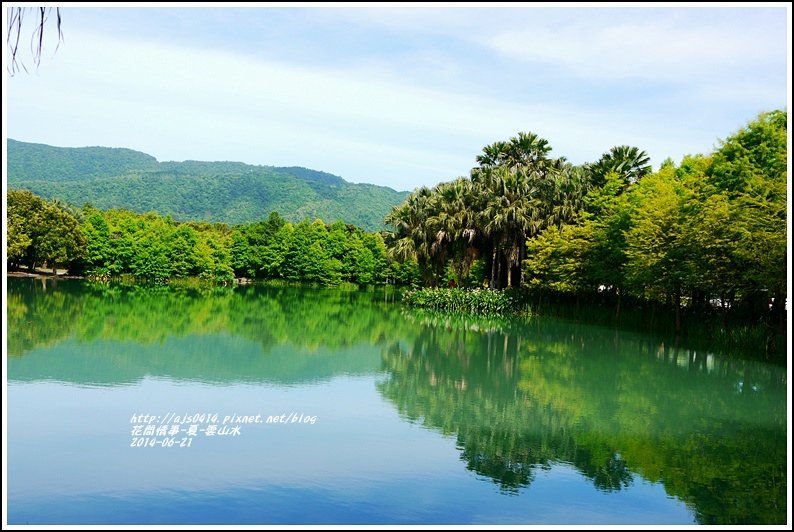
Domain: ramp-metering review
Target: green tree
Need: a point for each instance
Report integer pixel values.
(557, 259)
(629, 162)
(412, 238)
(750, 170)
(181, 245)
(274, 254)
(243, 258)
(359, 264)
(151, 253)
(513, 210)
(213, 256)
(98, 255)
(522, 191)
(18, 240)
(454, 223)
(658, 243)
(41, 232)
(380, 262)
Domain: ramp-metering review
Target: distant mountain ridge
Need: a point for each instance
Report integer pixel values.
(219, 191)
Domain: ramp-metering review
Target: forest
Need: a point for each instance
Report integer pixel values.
(220, 191)
(706, 233)
(116, 242)
(709, 230)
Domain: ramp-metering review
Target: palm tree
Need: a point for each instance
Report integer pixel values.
(414, 235)
(492, 156)
(513, 181)
(514, 193)
(513, 209)
(523, 150)
(454, 224)
(407, 220)
(527, 150)
(629, 162)
(570, 186)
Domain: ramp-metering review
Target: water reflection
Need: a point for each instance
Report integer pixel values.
(519, 398)
(115, 334)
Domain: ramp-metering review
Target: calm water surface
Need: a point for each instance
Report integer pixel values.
(370, 414)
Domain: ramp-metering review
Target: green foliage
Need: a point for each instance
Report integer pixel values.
(754, 154)
(658, 249)
(750, 173)
(484, 302)
(711, 229)
(149, 247)
(405, 273)
(228, 192)
(628, 162)
(515, 398)
(98, 246)
(311, 252)
(39, 162)
(558, 258)
(18, 239)
(617, 407)
(41, 233)
(606, 228)
(516, 192)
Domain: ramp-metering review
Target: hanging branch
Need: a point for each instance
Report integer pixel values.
(16, 16)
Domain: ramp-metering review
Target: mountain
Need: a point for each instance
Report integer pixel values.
(230, 192)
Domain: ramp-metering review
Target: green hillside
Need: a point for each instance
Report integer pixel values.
(230, 192)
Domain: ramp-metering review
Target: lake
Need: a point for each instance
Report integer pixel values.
(289, 405)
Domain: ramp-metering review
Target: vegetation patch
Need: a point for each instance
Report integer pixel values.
(484, 302)
(456, 321)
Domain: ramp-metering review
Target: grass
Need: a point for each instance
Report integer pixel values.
(482, 302)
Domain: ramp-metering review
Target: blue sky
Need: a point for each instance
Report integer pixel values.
(400, 95)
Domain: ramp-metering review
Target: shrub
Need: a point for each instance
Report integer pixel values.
(480, 301)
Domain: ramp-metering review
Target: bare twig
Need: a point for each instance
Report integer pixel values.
(16, 15)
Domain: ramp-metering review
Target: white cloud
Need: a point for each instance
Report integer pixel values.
(368, 120)
(653, 51)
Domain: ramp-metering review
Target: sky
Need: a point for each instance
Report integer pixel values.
(400, 95)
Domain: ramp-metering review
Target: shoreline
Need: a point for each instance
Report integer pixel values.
(42, 274)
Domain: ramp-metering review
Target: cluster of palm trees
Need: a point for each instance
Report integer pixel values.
(516, 191)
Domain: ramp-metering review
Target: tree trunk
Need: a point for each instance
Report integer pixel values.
(678, 310)
(510, 270)
(493, 266)
(522, 254)
(498, 270)
(617, 310)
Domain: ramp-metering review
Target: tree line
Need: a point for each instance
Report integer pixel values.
(220, 191)
(711, 229)
(116, 242)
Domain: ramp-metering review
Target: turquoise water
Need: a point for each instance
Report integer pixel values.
(341, 407)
